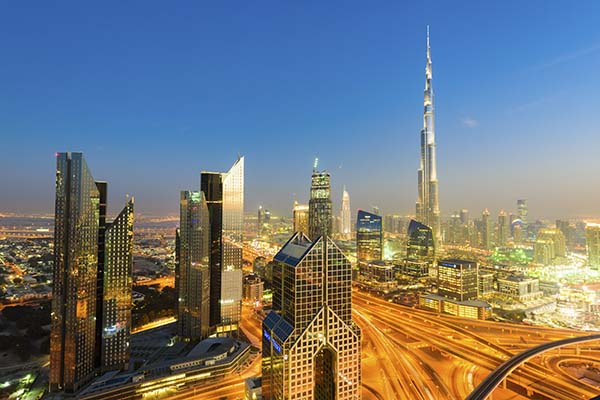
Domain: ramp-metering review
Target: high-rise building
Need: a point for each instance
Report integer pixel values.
(522, 210)
(376, 210)
(369, 237)
(420, 243)
(555, 238)
(193, 267)
(260, 218)
(320, 218)
(486, 230)
(346, 230)
(503, 228)
(117, 269)
(592, 243)
(300, 217)
(310, 344)
(73, 352)
(224, 194)
(464, 216)
(427, 207)
(457, 279)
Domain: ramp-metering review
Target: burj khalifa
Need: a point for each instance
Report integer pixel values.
(428, 209)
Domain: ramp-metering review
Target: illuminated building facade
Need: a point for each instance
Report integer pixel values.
(420, 243)
(311, 346)
(592, 243)
(369, 237)
(77, 212)
(457, 279)
(224, 194)
(115, 319)
(193, 267)
(503, 228)
(486, 230)
(427, 207)
(521, 288)
(320, 218)
(346, 227)
(300, 214)
(522, 210)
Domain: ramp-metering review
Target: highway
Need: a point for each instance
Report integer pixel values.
(485, 388)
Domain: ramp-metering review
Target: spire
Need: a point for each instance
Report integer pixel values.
(316, 164)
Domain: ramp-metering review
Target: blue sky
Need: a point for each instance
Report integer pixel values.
(153, 93)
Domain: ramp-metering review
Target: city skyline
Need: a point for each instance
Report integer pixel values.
(363, 85)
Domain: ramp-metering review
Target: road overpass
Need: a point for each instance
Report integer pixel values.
(487, 386)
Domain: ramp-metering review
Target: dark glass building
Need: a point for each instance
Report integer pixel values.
(224, 194)
(320, 218)
(420, 244)
(193, 267)
(76, 236)
(369, 237)
(311, 346)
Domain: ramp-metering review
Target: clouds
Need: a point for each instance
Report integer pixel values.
(566, 57)
(470, 122)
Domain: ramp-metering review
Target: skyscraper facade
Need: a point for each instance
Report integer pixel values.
(76, 233)
(193, 267)
(224, 193)
(369, 237)
(320, 218)
(115, 319)
(592, 243)
(346, 228)
(427, 207)
(503, 228)
(420, 244)
(457, 279)
(486, 230)
(522, 210)
(311, 345)
(300, 216)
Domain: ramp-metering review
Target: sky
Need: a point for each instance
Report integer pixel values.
(154, 92)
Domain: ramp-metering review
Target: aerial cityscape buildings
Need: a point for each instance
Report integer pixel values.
(369, 237)
(320, 216)
(346, 228)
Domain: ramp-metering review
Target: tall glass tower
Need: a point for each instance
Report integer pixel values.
(117, 269)
(311, 345)
(224, 193)
(427, 207)
(320, 218)
(346, 228)
(193, 267)
(76, 234)
(369, 237)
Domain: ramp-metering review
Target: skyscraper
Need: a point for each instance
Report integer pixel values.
(193, 267)
(74, 292)
(592, 243)
(115, 317)
(224, 193)
(420, 244)
(369, 237)
(346, 230)
(320, 221)
(427, 207)
(300, 216)
(457, 279)
(503, 228)
(486, 230)
(311, 345)
(522, 210)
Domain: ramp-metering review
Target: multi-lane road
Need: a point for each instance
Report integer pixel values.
(415, 354)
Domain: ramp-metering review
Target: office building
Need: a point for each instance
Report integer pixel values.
(253, 288)
(427, 207)
(193, 267)
(369, 237)
(420, 243)
(457, 279)
(320, 218)
(311, 345)
(300, 216)
(224, 194)
(520, 288)
(464, 216)
(486, 230)
(522, 210)
(592, 244)
(346, 223)
(503, 228)
(76, 232)
(114, 314)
